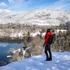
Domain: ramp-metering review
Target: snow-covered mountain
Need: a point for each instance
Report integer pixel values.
(35, 17)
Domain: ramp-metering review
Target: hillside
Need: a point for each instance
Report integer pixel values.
(35, 17)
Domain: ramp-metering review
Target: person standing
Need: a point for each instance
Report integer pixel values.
(61, 41)
(47, 44)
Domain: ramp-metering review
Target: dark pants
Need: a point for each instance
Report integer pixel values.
(48, 52)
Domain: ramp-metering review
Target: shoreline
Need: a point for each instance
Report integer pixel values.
(16, 40)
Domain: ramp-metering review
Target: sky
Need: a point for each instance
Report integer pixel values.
(27, 5)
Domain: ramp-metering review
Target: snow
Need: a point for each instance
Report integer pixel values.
(61, 61)
(35, 34)
(62, 30)
(16, 34)
(39, 17)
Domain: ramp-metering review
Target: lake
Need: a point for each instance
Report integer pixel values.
(5, 49)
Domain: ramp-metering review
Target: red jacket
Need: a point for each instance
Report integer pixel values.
(48, 34)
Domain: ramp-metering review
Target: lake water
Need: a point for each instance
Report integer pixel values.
(5, 49)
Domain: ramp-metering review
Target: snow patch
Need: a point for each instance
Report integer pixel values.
(54, 68)
(66, 57)
(68, 68)
(57, 61)
(34, 69)
(48, 69)
(30, 60)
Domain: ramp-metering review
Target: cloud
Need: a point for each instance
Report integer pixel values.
(60, 4)
(11, 1)
(16, 1)
(31, 4)
(3, 5)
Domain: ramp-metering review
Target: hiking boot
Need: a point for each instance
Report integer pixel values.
(49, 59)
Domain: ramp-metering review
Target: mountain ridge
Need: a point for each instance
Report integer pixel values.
(40, 17)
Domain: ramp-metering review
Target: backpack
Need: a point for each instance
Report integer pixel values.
(51, 39)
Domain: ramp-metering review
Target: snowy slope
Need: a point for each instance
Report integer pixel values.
(61, 61)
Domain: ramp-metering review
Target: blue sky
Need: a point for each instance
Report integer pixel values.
(26, 5)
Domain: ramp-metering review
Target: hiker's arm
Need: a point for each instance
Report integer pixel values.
(46, 40)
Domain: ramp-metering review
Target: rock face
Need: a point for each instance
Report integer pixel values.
(40, 17)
